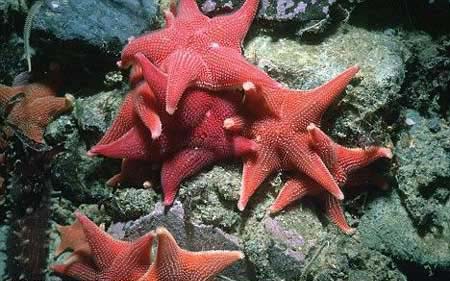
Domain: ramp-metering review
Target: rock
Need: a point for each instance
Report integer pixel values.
(387, 227)
(376, 87)
(12, 64)
(191, 236)
(308, 15)
(211, 197)
(4, 229)
(423, 156)
(130, 203)
(79, 177)
(104, 24)
(428, 71)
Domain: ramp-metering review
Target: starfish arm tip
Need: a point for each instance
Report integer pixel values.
(387, 152)
(273, 210)
(241, 205)
(156, 132)
(170, 109)
(349, 231)
(70, 100)
(168, 201)
(248, 86)
(311, 127)
(91, 153)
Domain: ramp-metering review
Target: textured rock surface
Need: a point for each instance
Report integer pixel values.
(104, 24)
(424, 187)
(12, 51)
(278, 10)
(79, 177)
(381, 230)
(4, 229)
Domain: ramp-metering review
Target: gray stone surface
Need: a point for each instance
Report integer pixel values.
(387, 227)
(104, 24)
(4, 229)
(423, 153)
(278, 10)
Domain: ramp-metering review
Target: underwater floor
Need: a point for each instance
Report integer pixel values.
(285, 140)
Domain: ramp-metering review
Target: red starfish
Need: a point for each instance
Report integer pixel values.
(283, 138)
(33, 107)
(98, 256)
(192, 139)
(175, 264)
(342, 163)
(195, 50)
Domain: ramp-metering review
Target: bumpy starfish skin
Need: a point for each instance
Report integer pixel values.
(283, 141)
(198, 51)
(98, 256)
(32, 112)
(344, 164)
(103, 258)
(191, 139)
(188, 27)
(175, 264)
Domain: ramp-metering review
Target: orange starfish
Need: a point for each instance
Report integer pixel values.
(98, 256)
(343, 164)
(33, 107)
(175, 264)
(195, 50)
(283, 141)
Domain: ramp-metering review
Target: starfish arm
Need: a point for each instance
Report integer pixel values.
(310, 163)
(122, 123)
(232, 70)
(174, 263)
(231, 29)
(293, 190)
(145, 106)
(335, 212)
(32, 118)
(7, 93)
(78, 270)
(156, 46)
(243, 146)
(132, 145)
(156, 79)
(317, 101)
(188, 9)
(135, 75)
(72, 237)
(182, 165)
(353, 158)
(205, 265)
(103, 247)
(256, 169)
(184, 68)
(323, 145)
(169, 17)
(133, 263)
